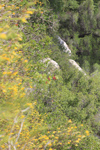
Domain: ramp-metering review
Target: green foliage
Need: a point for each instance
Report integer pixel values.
(42, 108)
(63, 5)
(88, 143)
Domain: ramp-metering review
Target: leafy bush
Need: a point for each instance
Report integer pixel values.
(41, 110)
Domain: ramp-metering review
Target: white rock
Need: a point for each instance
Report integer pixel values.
(52, 62)
(64, 46)
(73, 63)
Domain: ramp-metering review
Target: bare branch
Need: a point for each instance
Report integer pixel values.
(15, 121)
(25, 109)
(47, 144)
(20, 130)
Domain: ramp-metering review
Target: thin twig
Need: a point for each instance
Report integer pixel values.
(20, 130)
(47, 144)
(15, 121)
(25, 109)
(24, 146)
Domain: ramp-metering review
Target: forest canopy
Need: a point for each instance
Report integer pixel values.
(45, 106)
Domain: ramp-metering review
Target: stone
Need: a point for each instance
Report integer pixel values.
(73, 63)
(51, 65)
(64, 46)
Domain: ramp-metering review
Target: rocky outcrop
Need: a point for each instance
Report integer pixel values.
(51, 65)
(73, 63)
(64, 46)
(52, 62)
(67, 50)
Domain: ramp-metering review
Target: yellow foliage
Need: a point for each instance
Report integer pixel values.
(29, 12)
(3, 36)
(23, 126)
(87, 132)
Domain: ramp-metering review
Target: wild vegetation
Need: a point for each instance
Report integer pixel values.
(42, 108)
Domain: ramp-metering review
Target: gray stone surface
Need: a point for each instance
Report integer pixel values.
(64, 46)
